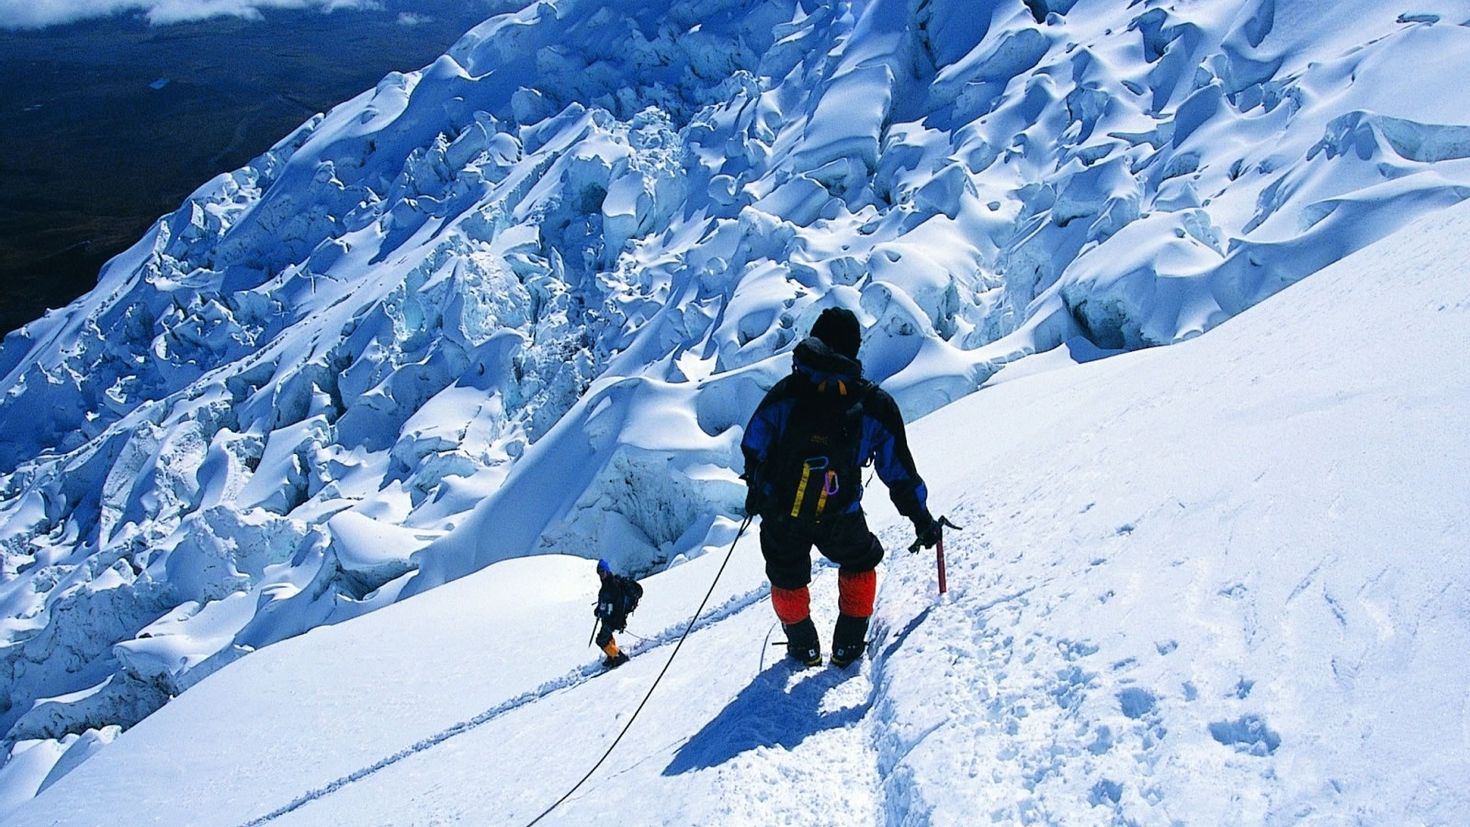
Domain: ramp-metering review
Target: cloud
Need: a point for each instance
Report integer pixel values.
(38, 14)
(409, 18)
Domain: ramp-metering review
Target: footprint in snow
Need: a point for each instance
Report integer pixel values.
(1248, 734)
(1136, 702)
(1074, 649)
(1105, 792)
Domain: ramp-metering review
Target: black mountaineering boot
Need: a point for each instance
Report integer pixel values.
(847, 639)
(801, 642)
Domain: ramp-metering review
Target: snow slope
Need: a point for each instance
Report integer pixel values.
(521, 302)
(1218, 583)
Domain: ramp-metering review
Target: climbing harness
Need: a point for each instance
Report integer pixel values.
(667, 664)
(829, 486)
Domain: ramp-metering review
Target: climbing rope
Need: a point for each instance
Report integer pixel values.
(768, 644)
(656, 680)
(640, 638)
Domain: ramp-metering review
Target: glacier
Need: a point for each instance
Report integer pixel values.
(1217, 583)
(520, 302)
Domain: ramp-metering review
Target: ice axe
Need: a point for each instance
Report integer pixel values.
(938, 549)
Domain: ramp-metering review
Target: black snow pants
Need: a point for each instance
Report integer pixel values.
(844, 539)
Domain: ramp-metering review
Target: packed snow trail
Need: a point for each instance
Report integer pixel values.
(738, 720)
(568, 681)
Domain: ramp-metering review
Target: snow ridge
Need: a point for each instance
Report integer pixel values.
(522, 300)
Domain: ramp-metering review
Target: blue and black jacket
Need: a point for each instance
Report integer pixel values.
(617, 597)
(819, 374)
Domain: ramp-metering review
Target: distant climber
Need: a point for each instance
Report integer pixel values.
(805, 448)
(617, 599)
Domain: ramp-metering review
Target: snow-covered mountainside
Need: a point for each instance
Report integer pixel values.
(1219, 583)
(521, 302)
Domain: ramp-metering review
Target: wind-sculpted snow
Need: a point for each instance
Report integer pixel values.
(522, 301)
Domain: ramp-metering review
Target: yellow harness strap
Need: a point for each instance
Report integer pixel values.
(822, 499)
(806, 474)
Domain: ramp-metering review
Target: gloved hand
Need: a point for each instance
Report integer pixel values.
(603, 611)
(752, 501)
(927, 531)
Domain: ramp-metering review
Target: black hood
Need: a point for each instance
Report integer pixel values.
(818, 362)
(839, 328)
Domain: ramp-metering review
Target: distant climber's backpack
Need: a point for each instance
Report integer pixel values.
(814, 470)
(629, 592)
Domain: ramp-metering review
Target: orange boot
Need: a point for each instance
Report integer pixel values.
(614, 657)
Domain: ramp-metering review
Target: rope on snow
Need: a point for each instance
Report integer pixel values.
(656, 680)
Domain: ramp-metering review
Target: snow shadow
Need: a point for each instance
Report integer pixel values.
(903, 635)
(769, 712)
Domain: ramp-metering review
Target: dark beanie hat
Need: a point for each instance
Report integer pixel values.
(838, 328)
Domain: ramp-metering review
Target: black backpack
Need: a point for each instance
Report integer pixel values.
(814, 470)
(629, 592)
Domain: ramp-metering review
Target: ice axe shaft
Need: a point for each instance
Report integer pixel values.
(939, 551)
(939, 561)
